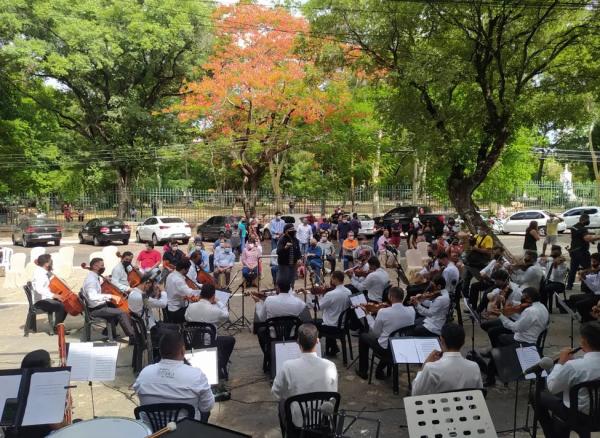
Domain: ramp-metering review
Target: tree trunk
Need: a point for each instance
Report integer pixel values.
(417, 178)
(276, 166)
(250, 193)
(123, 201)
(375, 178)
(594, 159)
(352, 194)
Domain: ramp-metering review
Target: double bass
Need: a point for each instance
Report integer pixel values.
(69, 299)
(110, 289)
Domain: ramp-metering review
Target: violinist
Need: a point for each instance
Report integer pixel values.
(485, 275)
(118, 276)
(315, 259)
(177, 291)
(363, 250)
(388, 320)
(332, 305)
(450, 271)
(148, 290)
(555, 268)
(432, 307)
(374, 283)
(528, 273)
(98, 302)
(590, 283)
(524, 331)
(43, 297)
(504, 291)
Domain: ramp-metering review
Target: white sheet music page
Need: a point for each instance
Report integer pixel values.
(222, 296)
(405, 350)
(528, 357)
(104, 362)
(285, 351)
(425, 346)
(47, 397)
(356, 301)
(79, 359)
(9, 388)
(207, 361)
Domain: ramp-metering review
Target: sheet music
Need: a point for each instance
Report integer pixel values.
(285, 351)
(222, 296)
(92, 362)
(413, 350)
(593, 282)
(356, 301)
(425, 346)
(528, 357)
(9, 388)
(47, 397)
(370, 320)
(207, 361)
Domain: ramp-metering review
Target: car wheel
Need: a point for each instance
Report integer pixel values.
(504, 232)
(138, 238)
(125, 241)
(24, 242)
(96, 241)
(81, 241)
(155, 240)
(57, 243)
(561, 232)
(542, 231)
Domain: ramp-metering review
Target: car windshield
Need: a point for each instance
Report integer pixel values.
(364, 217)
(40, 222)
(171, 220)
(110, 222)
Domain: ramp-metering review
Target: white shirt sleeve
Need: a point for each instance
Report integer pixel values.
(559, 380)
(158, 303)
(280, 388)
(423, 382)
(261, 311)
(41, 284)
(206, 399)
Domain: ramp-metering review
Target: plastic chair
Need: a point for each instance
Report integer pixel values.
(281, 328)
(90, 321)
(422, 248)
(13, 276)
(585, 424)
(64, 269)
(96, 255)
(140, 345)
(198, 335)
(414, 261)
(314, 422)
(33, 312)
(110, 251)
(158, 415)
(541, 342)
(6, 256)
(388, 358)
(110, 262)
(342, 332)
(27, 273)
(36, 251)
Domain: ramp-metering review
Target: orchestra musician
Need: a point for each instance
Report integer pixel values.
(209, 310)
(432, 308)
(177, 292)
(388, 320)
(98, 302)
(118, 276)
(449, 271)
(568, 372)
(43, 298)
(590, 278)
(555, 268)
(528, 273)
(363, 250)
(498, 262)
(150, 292)
(171, 258)
(504, 291)
(332, 304)
(524, 331)
(376, 281)
(478, 256)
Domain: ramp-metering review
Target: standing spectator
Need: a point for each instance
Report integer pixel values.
(133, 214)
(304, 234)
(67, 213)
(551, 232)
(310, 217)
(580, 248)
(291, 206)
(274, 265)
(236, 241)
(276, 229)
(325, 225)
(243, 227)
(288, 254)
(532, 235)
(154, 207)
(80, 215)
(396, 229)
(355, 224)
(342, 233)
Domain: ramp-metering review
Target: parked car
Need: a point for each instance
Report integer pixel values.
(37, 230)
(295, 219)
(212, 227)
(160, 229)
(572, 215)
(367, 224)
(405, 215)
(105, 230)
(518, 222)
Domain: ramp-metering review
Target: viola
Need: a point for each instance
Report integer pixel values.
(263, 294)
(69, 299)
(373, 308)
(110, 289)
(317, 290)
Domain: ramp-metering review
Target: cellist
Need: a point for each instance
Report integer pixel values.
(43, 297)
(118, 276)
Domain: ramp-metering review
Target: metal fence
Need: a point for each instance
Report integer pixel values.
(195, 206)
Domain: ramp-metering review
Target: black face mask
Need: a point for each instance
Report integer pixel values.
(291, 233)
(126, 264)
(101, 271)
(586, 223)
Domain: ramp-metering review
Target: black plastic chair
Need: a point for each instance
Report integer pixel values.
(342, 332)
(388, 358)
(158, 415)
(198, 335)
(33, 312)
(96, 321)
(140, 345)
(314, 423)
(585, 424)
(281, 328)
(540, 343)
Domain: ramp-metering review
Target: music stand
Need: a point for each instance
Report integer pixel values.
(474, 316)
(241, 322)
(573, 315)
(400, 274)
(449, 415)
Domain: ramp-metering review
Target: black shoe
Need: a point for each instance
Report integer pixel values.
(360, 374)
(331, 354)
(380, 375)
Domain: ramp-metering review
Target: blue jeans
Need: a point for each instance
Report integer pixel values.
(274, 271)
(347, 261)
(303, 248)
(274, 243)
(316, 267)
(249, 274)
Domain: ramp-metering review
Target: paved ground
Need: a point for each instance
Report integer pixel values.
(252, 408)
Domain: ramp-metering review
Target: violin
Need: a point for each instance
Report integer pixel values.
(432, 295)
(66, 296)
(110, 289)
(373, 308)
(168, 265)
(261, 295)
(317, 290)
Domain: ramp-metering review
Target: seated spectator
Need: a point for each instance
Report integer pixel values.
(148, 259)
(224, 261)
(250, 259)
(314, 259)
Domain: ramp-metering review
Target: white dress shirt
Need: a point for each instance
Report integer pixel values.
(205, 311)
(308, 373)
(93, 292)
(224, 259)
(436, 313)
(531, 277)
(283, 304)
(558, 272)
(177, 290)
(171, 381)
(451, 275)
(575, 371)
(334, 303)
(533, 321)
(390, 319)
(593, 282)
(303, 233)
(192, 273)
(491, 267)
(136, 304)
(451, 372)
(41, 285)
(374, 283)
(118, 277)
(514, 298)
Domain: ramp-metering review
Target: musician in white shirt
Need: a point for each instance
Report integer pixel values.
(308, 373)
(485, 282)
(388, 320)
(118, 276)
(532, 275)
(434, 312)
(567, 373)
(98, 303)
(332, 304)
(209, 310)
(145, 290)
(374, 283)
(172, 381)
(450, 272)
(447, 371)
(555, 270)
(43, 298)
(178, 291)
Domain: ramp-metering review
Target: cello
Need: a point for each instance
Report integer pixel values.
(69, 299)
(134, 276)
(110, 289)
(202, 276)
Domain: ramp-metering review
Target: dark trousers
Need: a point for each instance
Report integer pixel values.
(547, 293)
(177, 316)
(583, 303)
(421, 331)
(53, 306)
(331, 260)
(331, 346)
(579, 258)
(366, 342)
(287, 272)
(476, 289)
(495, 329)
(115, 316)
(225, 346)
(470, 271)
(551, 403)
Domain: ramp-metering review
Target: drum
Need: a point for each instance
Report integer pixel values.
(113, 427)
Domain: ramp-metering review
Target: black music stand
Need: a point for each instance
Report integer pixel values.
(572, 314)
(474, 316)
(192, 428)
(241, 322)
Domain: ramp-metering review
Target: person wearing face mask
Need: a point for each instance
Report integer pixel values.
(288, 254)
(276, 229)
(224, 261)
(315, 260)
(250, 262)
(43, 297)
(155, 299)
(555, 268)
(529, 274)
(172, 257)
(118, 276)
(327, 250)
(98, 302)
(580, 248)
(148, 259)
(343, 229)
(304, 234)
(203, 260)
(348, 247)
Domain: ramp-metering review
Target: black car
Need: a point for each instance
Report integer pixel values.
(35, 230)
(104, 230)
(405, 215)
(211, 228)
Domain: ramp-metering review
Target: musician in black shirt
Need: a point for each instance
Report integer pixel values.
(580, 248)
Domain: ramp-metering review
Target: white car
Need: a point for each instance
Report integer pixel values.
(518, 222)
(160, 229)
(572, 215)
(367, 224)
